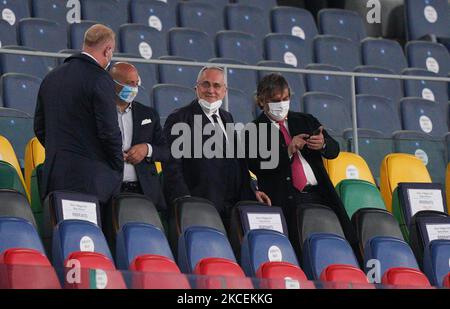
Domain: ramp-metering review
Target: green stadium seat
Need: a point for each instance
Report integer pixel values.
(9, 179)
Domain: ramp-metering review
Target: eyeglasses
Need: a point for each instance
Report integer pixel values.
(206, 85)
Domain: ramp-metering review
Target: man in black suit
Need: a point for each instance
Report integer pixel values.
(223, 181)
(142, 137)
(300, 176)
(76, 122)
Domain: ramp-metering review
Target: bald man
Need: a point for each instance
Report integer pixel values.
(142, 137)
(76, 121)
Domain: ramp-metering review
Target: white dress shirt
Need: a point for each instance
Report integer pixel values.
(219, 120)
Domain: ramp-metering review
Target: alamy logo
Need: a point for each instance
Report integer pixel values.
(74, 12)
(374, 14)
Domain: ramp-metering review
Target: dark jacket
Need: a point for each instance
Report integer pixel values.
(76, 122)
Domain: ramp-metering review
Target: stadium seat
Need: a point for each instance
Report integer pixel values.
(288, 49)
(295, 21)
(13, 11)
(221, 4)
(43, 35)
(377, 113)
(166, 98)
(34, 156)
(338, 276)
(282, 275)
(199, 242)
(387, 54)
(19, 91)
(53, 10)
(221, 274)
(337, 51)
(157, 272)
(348, 166)
(105, 12)
(138, 239)
(8, 155)
(190, 43)
(405, 278)
(295, 80)
(397, 168)
(71, 236)
(390, 252)
(322, 250)
(348, 24)
(7, 34)
(260, 246)
(18, 233)
(15, 204)
(359, 194)
(266, 5)
(182, 75)
(430, 56)
(240, 106)
(26, 269)
(36, 200)
(436, 257)
(203, 16)
(239, 46)
(142, 41)
(77, 31)
(248, 19)
(9, 178)
(160, 15)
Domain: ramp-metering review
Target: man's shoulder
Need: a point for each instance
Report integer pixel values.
(300, 116)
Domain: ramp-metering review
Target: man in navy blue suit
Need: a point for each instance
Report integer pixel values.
(76, 122)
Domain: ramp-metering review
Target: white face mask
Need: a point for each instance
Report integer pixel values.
(279, 110)
(210, 108)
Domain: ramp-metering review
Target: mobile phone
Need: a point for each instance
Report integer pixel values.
(316, 132)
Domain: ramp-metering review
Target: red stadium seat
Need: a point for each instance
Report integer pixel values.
(446, 282)
(282, 275)
(96, 272)
(344, 277)
(222, 274)
(26, 269)
(157, 272)
(405, 277)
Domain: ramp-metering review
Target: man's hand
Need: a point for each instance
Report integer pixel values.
(136, 154)
(263, 198)
(297, 144)
(316, 142)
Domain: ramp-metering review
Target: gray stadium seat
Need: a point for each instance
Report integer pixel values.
(42, 34)
(430, 56)
(383, 53)
(239, 46)
(348, 24)
(19, 91)
(31, 65)
(206, 17)
(54, 10)
(160, 15)
(249, 19)
(337, 51)
(167, 98)
(106, 12)
(178, 74)
(14, 11)
(142, 41)
(190, 43)
(7, 34)
(240, 106)
(288, 49)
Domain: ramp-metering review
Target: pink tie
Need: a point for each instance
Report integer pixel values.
(298, 174)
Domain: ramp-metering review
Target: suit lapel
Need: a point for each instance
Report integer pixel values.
(136, 124)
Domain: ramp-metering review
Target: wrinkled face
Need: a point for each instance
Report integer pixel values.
(211, 86)
(276, 97)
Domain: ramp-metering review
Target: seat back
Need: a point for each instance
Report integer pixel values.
(405, 277)
(287, 48)
(430, 56)
(249, 19)
(42, 34)
(377, 113)
(436, 261)
(143, 41)
(384, 53)
(239, 46)
(160, 15)
(348, 24)
(337, 51)
(34, 156)
(190, 43)
(207, 17)
(105, 12)
(167, 98)
(19, 91)
(348, 166)
(18, 233)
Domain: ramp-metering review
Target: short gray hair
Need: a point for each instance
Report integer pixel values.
(205, 68)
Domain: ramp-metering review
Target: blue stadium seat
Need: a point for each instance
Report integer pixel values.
(160, 15)
(249, 19)
(221, 4)
(206, 17)
(136, 239)
(261, 246)
(19, 91)
(197, 243)
(389, 88)
(54, 10)
(430, 56)
(7, 34)
(296, 82)
(240, 106)
(239, 46)
(383, 53)
(295, 21)
(423, 116)
(348, 24)
(377, 113)
(338, 51)
(14, 10)
(18, 233)
(436, 261)
(106, 12)
(390, 252)
(322, 250)
(142, 41)
(266, 5)
(190, 43)
(71, 236)
(31, 65)
(288, 49)
(42, 34)
(167, 98)
(331, 111)
(183, 75)
(77, 31)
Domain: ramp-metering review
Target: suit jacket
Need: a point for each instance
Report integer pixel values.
(76, 122)
(202, 177)
(150, 133)
(277, 182)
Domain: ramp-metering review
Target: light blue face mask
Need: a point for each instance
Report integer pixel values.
(128, 93)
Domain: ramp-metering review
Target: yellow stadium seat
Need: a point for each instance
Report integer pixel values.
(348, 166)
(397, 168)
(7, 154)
(34, 155)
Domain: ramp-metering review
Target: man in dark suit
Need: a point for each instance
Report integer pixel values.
(300, 176)
(142, 137)
(76, 122)
(223, 181)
